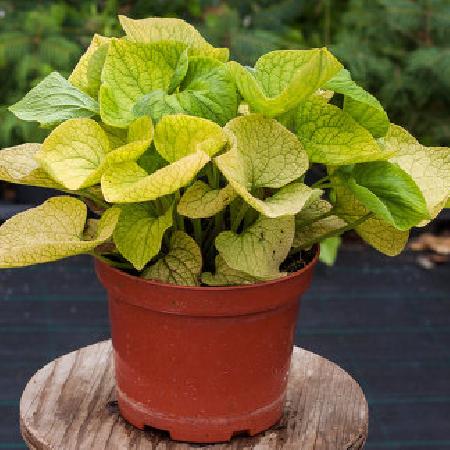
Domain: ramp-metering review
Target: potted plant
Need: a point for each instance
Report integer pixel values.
(202, 217)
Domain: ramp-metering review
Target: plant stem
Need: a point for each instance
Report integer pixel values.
(179, 220)
(197, 224)
(320, 182)
(238, 219)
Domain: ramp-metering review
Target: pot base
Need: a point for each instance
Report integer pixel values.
(200, 430)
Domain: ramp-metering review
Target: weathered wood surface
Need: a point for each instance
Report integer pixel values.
(69, 404)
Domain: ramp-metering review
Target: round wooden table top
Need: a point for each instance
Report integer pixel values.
(70, 404)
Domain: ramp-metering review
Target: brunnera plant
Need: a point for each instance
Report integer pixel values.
(194, 167)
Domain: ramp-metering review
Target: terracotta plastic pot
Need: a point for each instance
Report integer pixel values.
(202, 363)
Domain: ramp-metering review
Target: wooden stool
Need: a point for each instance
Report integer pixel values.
(70, 404)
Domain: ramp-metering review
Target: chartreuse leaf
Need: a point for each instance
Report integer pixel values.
(139, 232)
(260, 249)
(314, 222)
(331, 136)
(77, 152)
(140, 135)
(200, 200)
(132, 70)
(428, 167)
(73, 153)
(207, 90)
(264, 154)
(307, 235)
(51, 231)
(362, 106)
(54, 100)
(180, 135)
(283, 78)
(129, 182)
(117, 136)
(226, 276)
(387, 191)
(314, 211)
(158, 29)
(182, 265)
(329, 248)
(18, 165)
(376, 232)
(87, 73)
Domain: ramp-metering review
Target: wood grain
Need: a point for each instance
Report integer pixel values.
(70, 404)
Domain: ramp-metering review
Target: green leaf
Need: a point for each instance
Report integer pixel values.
(331, 136)
(329, 250)
(73, 153)
(260, 249)
(388, 191)
(87, 73)
(54, 100)
(128, 182)
(181, 266)
(51, 231)
(307, 235)
(117, 136)
(376, 232)
(168, 29)
(132, 70)
(139, 233)
(140, 135)
(18, 165)
(362, 106)
(264, 154)
(428, 167)
(226, 276)
(180, 135)
(283, 78)
(207, 91)
(180, 71)
(200, 200)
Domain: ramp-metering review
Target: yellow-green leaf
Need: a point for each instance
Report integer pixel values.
(331, 136)
(283, 78)
(87, 73)
(156, 29)
(180, 135)
(181, 266)
(376, 232)
(51, 231)
(132, 70)
(226, 276)
(73, 153)
(139, 232)
(18, 165)
(128, 182)
(264, 154)
(428, 167)
(361, 105)
(140, 135)
(200, 200)
(207, 91)
(314, 211)
(307, 235)
(260, 249)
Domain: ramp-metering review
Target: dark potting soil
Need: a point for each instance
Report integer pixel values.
(298, 260)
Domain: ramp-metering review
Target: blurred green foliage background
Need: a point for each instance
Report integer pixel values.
(397, 49)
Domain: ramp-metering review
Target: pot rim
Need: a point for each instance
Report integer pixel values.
(286, 278)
